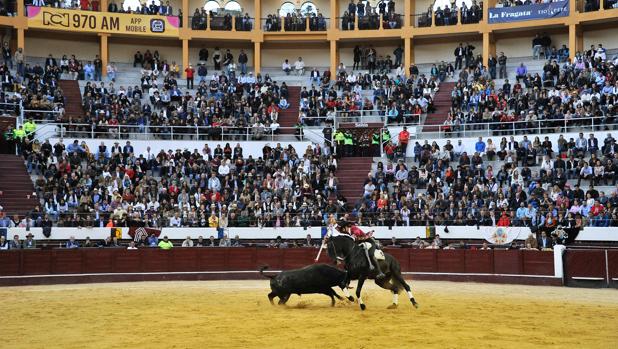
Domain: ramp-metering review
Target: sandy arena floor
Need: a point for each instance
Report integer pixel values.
(236, 314)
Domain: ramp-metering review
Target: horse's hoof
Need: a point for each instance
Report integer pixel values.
(351, 299)
(363, 307)
(414, 303)
(392, 306)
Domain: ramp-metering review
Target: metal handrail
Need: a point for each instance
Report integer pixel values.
(145, 132)
(493, 129)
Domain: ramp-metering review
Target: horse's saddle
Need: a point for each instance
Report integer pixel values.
(378, 255)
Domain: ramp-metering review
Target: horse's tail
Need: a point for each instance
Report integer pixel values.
(264, 267)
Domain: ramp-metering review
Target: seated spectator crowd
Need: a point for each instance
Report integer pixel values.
(452, 185)
(220, 187)
(579, 93)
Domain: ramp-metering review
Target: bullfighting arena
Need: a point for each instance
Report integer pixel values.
(237, 314)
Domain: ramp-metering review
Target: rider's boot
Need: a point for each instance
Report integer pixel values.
(380, 274)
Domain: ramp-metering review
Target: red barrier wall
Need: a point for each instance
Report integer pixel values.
(591, 266)
(87, 261)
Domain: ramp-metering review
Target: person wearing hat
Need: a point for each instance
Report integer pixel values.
(29, 243)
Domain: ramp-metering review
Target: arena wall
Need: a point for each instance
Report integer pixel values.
(314, 55)
(522, 46)
(41, 46)
(607, 37)
(122, 51)
(62, 265)
(402, 233)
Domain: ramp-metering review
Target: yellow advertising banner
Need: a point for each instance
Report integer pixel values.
(102, 22)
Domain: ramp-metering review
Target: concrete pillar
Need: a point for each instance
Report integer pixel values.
(408, 10)
(257, 57)
(576, 40)
(334, 13)
(21, 39)
(185, 55)
(489, 47)
(408, 49)
(185, 14)
(334, 58)
(104, 52)
(487, 4)
(257, 9)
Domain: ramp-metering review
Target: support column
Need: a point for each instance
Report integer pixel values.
(185, 14)
(408, 9)
(576, 40)
(185, 56)
(103, 5)
(104, 53)
(21, 42)
(334, 13)
(257, 10)
(487, 4)
(489, 47)
(21, 9)
(334, 58)
(408, 51)
(257, 57)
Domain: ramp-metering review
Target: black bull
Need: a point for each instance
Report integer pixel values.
(315, 278)
(344, 248)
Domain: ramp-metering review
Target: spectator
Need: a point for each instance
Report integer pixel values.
(165, 244)
(188, 242)
(299, 66)
(72, 243)
(189, 71)
(29, 243)
(286, 67)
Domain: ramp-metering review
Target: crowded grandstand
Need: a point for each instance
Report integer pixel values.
(456, 140)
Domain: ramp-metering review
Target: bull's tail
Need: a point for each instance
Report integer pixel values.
(264, 267)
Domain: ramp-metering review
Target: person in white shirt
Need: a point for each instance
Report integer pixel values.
(286, 67)
(132, 245)
(274, 127)
(600, 53)
(459, 148)
(400, 71)
(299, 66)
(187, 242)
(547, 165)
(175, 221)
(224, 168)
(351, 79)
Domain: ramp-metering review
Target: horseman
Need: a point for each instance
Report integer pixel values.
(366, 242)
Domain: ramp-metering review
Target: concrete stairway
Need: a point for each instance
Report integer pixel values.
(442, 103)
(73, 99)
(16, 186)
(352, 173)
(289, 117)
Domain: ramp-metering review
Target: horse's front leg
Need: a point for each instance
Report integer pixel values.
(359, 288)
